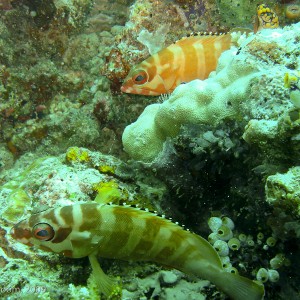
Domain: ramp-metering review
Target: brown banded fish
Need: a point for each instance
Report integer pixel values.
(128, 233)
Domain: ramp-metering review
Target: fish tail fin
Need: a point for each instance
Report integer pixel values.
(239, 287)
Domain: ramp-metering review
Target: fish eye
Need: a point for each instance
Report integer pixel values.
(140, 77)
(43, 232)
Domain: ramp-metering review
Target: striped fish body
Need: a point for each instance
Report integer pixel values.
(114, 231)
(130, 234)
(190, 58)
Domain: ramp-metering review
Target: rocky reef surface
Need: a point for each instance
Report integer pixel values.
(226, 148)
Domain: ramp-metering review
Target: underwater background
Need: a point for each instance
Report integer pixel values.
(223, 150)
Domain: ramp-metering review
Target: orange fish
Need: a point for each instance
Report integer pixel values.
(190, 58)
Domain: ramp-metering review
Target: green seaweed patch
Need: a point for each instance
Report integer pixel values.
(294, 117)
(16, 204)
(34, 166)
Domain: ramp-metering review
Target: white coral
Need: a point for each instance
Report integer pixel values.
(197, 102)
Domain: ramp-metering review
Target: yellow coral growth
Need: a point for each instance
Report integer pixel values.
(292, 81)
(106, 169)
(267, 17)
(75, 154)
(107, 192)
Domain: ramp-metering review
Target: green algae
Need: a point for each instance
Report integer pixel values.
(17, 202)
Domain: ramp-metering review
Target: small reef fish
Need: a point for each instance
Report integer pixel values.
(266, 18)
(128, 233)
(192, 57)
(189, 58)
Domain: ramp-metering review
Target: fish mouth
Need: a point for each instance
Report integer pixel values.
(15, 234)
(21, 233)
(138, 91)
(129, 90)
(124, 89)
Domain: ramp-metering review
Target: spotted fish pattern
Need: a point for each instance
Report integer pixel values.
(127, 233)
(192, 57)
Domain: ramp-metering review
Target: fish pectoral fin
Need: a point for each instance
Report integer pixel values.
(170, 81)
(107, 285)
(163, 68)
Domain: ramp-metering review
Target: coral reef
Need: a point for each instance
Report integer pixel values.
(5, 5)
(238, 13)
(283, 193)
(227, 95)
(146, 30)
(230, 243)
(216, 143)
(227, 146)
(52, 93)
(78, 175)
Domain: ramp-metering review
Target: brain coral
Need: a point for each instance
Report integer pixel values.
(198, 102)
(234, 91)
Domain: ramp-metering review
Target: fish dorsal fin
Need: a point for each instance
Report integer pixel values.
(204, 37)
(151, 212)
